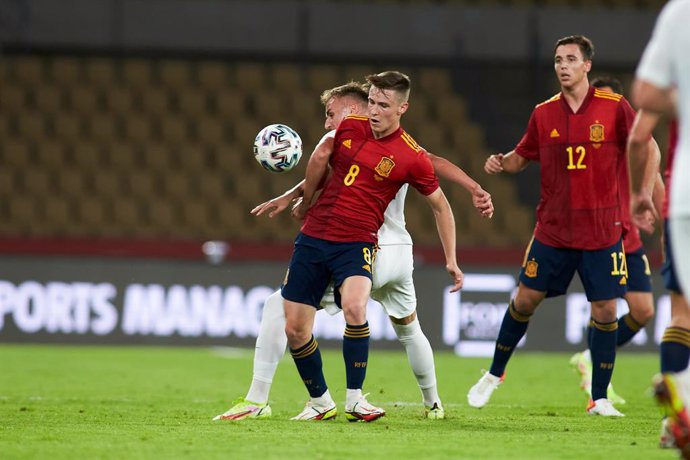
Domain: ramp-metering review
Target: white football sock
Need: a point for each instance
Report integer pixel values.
(352, 397)
(421, 358)
(683, 382)
(270, 348)
(324, 400)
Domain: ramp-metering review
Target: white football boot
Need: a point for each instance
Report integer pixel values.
(603, 407)
(313, 411)
(363, 411)
(481, 392)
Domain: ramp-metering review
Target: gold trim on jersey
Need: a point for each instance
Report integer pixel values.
(551, 99)
(606, 95)
(411, 142)
(356, 117)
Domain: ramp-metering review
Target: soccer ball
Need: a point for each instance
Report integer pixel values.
(278, 148)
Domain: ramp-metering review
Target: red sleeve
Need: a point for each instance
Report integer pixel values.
(422, 176)
(346, 129)
(626, 117)
(528, 147)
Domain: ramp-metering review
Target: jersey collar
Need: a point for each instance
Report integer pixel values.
(583, 106)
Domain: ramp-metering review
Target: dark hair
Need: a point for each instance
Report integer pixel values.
(611, 82)
(585, 44)
(352, 89)
(393, 80)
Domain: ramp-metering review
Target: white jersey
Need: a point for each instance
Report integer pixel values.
(665, 64)
(393, 230)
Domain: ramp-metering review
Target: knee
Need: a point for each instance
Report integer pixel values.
(273, 306)
(604, 312)
(527, 300)
(643, 316)
(355, 312)
(408, 333)
(297, 334)
(525, 306)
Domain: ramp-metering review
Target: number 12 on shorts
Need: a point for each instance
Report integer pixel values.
(619, 266)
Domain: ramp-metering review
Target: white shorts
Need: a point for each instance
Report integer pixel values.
(679, 217)
(392, 284)
(680, 245)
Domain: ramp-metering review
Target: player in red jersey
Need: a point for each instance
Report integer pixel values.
(370, 159)
(579, 137)
(639, 296)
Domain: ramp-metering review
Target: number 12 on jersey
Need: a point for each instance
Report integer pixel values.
(576, 157)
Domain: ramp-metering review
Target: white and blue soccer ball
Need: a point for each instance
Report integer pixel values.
(278, 148)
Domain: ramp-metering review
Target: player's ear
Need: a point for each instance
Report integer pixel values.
(403, 108)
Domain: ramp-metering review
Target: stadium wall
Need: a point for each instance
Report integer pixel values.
(306, 29)
(186, 302)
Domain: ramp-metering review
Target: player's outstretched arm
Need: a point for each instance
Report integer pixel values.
(276, 205)
(317, 171)
(510, 162)
(445, 224)
(481, 199)
(658, 195)
(643, 169)
(647, 96)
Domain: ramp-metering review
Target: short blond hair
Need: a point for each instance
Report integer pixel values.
(352, 89)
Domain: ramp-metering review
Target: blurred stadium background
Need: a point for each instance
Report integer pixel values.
(126, 130)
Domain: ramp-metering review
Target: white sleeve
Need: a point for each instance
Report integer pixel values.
(656, 65)
(326, 136)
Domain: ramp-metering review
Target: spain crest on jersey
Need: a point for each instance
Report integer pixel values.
(385, 167)
(596, 132)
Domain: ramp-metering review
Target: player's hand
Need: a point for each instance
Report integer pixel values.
(456, 275)
(494, 164)
(481, 199)
(275, 206)
(299, 209)
(643, 212)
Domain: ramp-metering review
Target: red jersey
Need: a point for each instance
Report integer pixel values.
(582, 158)
(672, 143)
(367, 174)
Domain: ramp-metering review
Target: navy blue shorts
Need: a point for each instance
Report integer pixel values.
(316, 262)
(603, 272)
(668, 268)
(639, 273)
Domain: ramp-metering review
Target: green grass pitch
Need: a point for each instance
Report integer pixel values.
(59, 402)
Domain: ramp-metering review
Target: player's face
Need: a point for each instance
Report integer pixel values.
(385, 110)
(571, 67)
(337, 108)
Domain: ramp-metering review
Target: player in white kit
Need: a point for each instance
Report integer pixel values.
(392, 283)
(662, 76)
(663, 85)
